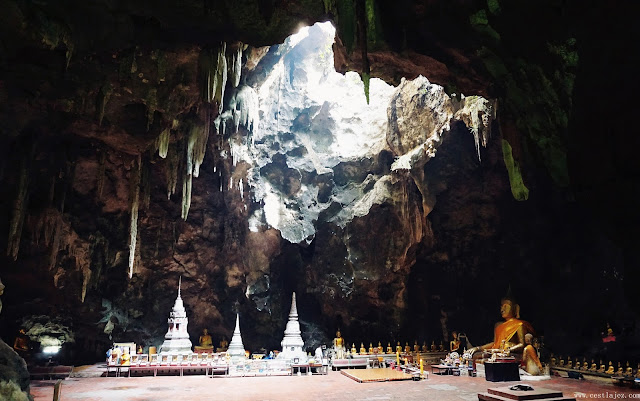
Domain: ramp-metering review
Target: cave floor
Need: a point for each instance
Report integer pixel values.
(333, 386)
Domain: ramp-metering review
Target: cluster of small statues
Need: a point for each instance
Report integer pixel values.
(627, 371)
(341, 351)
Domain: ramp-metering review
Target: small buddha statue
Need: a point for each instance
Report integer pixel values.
(139, 349)
(433, 346)
(399, 348)
(363, 350)
(424, 347)
(629, 370)
(380, 349)
(454, 344)
(638, 372)
(371, 349)
(578, 365)
(619, 372)
(594, 367)
(205, 340)
(338, 345)
(602, 367)
(125, 358)
(441, 347)
(416, 347)
(224, 344)
(353, 349)
(389, 349)
(553, 360)
(610, 370)
(569, 363)
(407, 348)
(585, 365)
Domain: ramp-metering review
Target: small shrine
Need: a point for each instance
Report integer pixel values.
(177, 341)
(292, 342)
(236, 348)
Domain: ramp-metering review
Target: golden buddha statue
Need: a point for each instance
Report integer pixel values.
(139, 349)
(416, 347)
(454, 344)
(441, 347)
(594, 367)
(602, 367)
(553, 360)
(619, 372)
(125, 358)
(510, 332)
(628, 370)
(224, 344)
(353, 349)
(205, 340)
(363, 350)
(433, 346)
(610, 370)
(338, 342)
(407, 348)
(424, 347)
(399, 348)
(638, 372)
(380, 349)
(530, 357)
(338, 345)
(389, 349)
(561, 361)
(371, 349)
(569, 363)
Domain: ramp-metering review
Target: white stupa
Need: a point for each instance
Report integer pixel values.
(236, 348)
(292, 342)
(176, 341)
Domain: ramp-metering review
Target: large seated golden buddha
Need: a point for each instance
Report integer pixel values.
(508, 336)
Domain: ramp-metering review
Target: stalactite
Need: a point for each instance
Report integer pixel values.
(101, 174)
(151, 101)
(213, 74)
(162, 142)
(55, 243)
(19, 208)
(171, 171)
(134, 204)
(86, 277)
(235, 65)
(101, 102)
(186, 196)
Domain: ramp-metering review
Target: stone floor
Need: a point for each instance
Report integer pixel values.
(333, 386)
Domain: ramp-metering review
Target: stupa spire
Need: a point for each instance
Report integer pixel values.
(292, 342)
(179, 285)
(236, 348)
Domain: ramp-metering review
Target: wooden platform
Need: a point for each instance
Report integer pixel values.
(538, 393)
(376, 375)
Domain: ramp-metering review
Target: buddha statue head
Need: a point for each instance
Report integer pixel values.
(509, 309)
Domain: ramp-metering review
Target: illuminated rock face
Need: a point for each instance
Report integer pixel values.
(177, 341)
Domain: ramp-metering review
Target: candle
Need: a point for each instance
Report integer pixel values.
(397, 359)
(421, 368)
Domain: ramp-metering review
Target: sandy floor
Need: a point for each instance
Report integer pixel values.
(333, 386)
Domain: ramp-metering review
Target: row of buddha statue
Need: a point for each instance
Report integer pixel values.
(593, 368)
(342, 351)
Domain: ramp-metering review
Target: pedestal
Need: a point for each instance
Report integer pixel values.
(501, 371)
